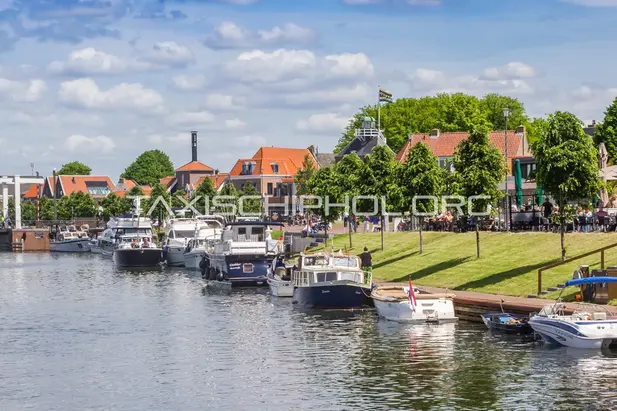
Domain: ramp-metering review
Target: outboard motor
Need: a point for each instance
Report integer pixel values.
(203, 266)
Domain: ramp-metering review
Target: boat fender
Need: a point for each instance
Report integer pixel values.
(220, 276)
(202, 263)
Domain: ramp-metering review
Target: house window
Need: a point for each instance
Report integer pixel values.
(444, 162)
(275, 168)
(270, 189)
(247, 168)
(97, 188)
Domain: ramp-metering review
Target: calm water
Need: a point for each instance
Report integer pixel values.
(77, 334)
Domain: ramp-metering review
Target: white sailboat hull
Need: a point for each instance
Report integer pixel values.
(279, 288)
(80, 245)
(175, 256)
(193, 258)
(434, 310)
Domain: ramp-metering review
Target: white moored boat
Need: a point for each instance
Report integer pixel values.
(206, 231)
(179, 232)
(393, 303)
(70, 240)
(280, 280)
(590, 326)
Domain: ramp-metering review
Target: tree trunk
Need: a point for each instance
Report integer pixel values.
(421, 243)
(477, 239)
(349, 227)
(562, 231)
(382, 229)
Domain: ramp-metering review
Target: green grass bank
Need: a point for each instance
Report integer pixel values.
(508, 263)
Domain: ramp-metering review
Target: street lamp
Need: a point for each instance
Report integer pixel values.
(506, 114)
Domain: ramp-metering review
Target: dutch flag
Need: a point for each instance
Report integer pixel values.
(412, 297)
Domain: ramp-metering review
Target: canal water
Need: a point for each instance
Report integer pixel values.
(78, 334)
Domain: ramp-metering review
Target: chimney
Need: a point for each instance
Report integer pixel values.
(434, 133)
(593, 123)
(520, 129)
(194, 145)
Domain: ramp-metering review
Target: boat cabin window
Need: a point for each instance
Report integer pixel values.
(351, 262)
(182, 234)
(316, 260)
(329, 276)
(122, 231)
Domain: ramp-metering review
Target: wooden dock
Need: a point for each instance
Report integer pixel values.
(469, 305)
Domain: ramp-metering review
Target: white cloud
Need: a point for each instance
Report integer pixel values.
(55, 119)
(222, 102)
(228, 35)
(22, 91)
(507, 79)
(283, 65)
(190, 118)
(89, 61)
(189, 82)
(245, 141)
(510, 71)
(329, 96)
(85, 93)
(99, 144)
(234, 123)
(323, 123)
(169, 53)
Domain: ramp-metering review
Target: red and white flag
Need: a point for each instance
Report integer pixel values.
(412, 297)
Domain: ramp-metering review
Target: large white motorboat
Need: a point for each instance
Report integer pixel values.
(179, 232)
(70, 240)
(279, 279)
(328, 281)
(118, 228)
(244, 254)
(396, 304)
(206, 231)
(137, 251)
(590, 326)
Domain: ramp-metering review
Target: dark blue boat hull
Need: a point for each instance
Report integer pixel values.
(335, 296)
(240, 270)
(492, 322)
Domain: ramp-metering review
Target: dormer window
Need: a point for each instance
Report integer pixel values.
(247, 168)
(275, 168)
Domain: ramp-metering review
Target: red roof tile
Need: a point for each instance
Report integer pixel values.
(217, 180)
(445, 144)
(33, 192)
(289, 161)
(166, 181)
(71, 184)
(194, 166)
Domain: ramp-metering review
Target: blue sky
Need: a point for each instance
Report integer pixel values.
(103, 80)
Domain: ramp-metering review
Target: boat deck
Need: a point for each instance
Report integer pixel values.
(396, 291)
(469, 305)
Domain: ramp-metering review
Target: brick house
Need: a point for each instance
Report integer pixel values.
(97, 186)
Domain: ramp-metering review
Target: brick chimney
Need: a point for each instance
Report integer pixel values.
(194, 145)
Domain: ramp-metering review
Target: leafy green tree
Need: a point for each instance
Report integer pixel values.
(175, 199)
(304, 175)
(157, 204)
(149, 168)
(115, 206)
(349, 171)
(567, 164)
(606, 132)
(480, 167)
(535, 129)
(28, 211)
(325, 183)
(205, 192)
(492, 106)
(251, 205)
(74, 168)
(228, 190)
(47, 208)
(378, 179)
(421, 175)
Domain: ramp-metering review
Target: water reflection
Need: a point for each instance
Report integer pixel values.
(77, 333)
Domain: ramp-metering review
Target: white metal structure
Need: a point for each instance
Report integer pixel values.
(392, 303)
(206, 231)
(16, 182)
(70, 240)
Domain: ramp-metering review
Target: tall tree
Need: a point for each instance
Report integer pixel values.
(606, 131)
(349, 171)
(535, 129)
(379, 179)
(149, 168)
(251, 205)
(567, 164)
(156, 205)
(304, 175)
(115, 206)
(227, 199)
(325, 184)
(421, 175)
(492, 105)
(74, 168)
(480, 167)
(205, 191)
(81, 205)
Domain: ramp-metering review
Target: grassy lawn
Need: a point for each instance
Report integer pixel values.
(508, 263)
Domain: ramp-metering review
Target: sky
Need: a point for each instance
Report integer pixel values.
(101, 81)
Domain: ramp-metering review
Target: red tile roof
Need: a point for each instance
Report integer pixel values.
(194, 166)
(166, 181)
(71, 184)
(217, 180)
(445, 144)
(33, 192)
(289, 161)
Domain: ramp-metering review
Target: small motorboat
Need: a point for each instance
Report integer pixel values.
(394, 304)
(506, 322)
(280, 281)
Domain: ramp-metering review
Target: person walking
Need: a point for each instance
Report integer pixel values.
(367, 260)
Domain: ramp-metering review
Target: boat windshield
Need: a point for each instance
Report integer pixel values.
(317, 260)
(182, 234)
(347, 261)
